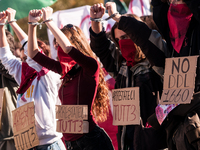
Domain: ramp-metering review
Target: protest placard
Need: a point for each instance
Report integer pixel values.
(69, 112)
(72, 118)
(126, 106)
(179, 80)
(1, 103)
(25, 135)
(72, 126)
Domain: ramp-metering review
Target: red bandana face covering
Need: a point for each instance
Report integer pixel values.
(179, 17)
(66, 61)
(128, 50)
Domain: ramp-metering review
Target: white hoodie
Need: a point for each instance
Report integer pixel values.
(43, 92)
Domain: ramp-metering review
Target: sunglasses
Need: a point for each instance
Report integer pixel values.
(71, 26)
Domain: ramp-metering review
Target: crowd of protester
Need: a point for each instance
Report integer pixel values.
(134, 55)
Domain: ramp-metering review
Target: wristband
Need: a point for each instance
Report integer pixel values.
(100, 19)
(113, 15)
(50, 19)
(96, 20)
(40, 24)
(14, 20)
(34, 23)
(23, 45)
(2, 24)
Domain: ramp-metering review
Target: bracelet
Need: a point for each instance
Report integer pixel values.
(14, 20)
(23, 45)
(34, 23)
(50, 19)
(40, 24)
(100, 19)
(96, 20)
(112, 16)
(2, 24)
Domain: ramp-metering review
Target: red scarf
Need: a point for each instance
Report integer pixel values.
(28, 75)
(66, 61)
(128, 51)
(179, 17)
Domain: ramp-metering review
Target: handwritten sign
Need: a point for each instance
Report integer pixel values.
(2, 96)
(25, 135)
(126, 106)
(71, 118)
(179, 80)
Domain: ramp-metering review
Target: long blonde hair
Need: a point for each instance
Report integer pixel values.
(100, 107)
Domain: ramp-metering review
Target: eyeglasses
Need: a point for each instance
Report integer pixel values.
(71, 26)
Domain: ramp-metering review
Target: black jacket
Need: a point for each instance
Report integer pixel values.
(180, 113)
(160, 10)
(141, 75)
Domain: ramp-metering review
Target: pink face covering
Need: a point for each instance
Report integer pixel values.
(179, 17)
(66, 61)
(128, 51)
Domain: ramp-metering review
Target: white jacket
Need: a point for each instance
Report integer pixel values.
(43, 92)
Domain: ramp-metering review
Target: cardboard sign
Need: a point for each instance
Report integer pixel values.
(69, 112)
(71, 118)
(126, 106)
(179, 80)
(1, 103)
(25, 135)
(72, 126)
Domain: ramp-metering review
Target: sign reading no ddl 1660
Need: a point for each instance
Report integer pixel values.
(126, 108)
(179, 80)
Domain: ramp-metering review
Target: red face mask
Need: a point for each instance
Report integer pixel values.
(65, 60)
(128, 51)
(179, 17)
